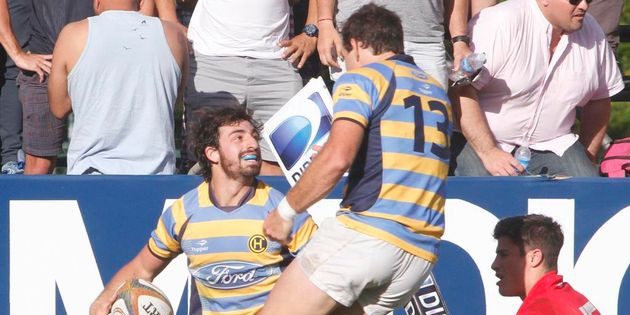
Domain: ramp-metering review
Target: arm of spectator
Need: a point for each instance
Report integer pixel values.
(144, 266)
(68, 48)
(178, 44)
(165, 9)
(299, 48)
(329, 44)
(595, 116)
(24, 60)
(457, 21)
(477, 132)
(478, 5)
(147, 7)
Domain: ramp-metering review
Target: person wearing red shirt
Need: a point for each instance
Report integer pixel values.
(526, 264)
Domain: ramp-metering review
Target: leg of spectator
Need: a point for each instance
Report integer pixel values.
(546, 163)
(212, 81)
(577, 162)
(430, 57)
(10, 117)
(273, 84)
(573, 162)
(39, 165)
(43, 133)
(464, 160)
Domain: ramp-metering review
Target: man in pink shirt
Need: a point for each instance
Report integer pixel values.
(546, 58)
(527, 266)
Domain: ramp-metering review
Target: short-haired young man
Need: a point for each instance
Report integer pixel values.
(218, 225)
(527, 266)
(391, 124)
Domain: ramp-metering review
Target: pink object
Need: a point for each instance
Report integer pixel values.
(616, 162)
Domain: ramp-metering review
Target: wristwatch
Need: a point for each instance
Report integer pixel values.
(310, 30)
(461, 38)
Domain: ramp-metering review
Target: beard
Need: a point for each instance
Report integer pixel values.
(234, 168)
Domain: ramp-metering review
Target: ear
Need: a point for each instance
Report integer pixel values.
(97, 6)
(535, 257)
(212, 155)
(356, 45)
(140, 3)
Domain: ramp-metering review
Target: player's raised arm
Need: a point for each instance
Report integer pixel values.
(144, 266)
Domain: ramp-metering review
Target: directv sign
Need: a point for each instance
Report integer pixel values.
(63, 237)
(305, 120)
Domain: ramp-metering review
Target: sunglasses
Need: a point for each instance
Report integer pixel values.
(576, 2)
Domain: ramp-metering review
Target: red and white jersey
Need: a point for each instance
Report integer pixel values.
(552, 296)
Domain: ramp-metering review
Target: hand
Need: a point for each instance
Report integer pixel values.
(329, 44)
(276, 228)
(39, 64)
(102, 305)
(501, 163)
(460, 51)
(298, 49)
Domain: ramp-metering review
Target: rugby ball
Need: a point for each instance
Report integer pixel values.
(140, 297)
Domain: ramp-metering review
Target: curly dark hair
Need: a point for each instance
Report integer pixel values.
(376, 27)
(533, 231)
(205, 131)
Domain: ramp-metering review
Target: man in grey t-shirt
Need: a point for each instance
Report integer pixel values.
(423, 21)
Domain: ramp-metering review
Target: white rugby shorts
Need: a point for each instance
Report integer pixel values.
(353, 267)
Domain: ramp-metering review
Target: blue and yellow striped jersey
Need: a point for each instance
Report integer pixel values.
(395, 189)
(233, 265)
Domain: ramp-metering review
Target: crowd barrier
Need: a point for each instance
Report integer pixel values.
(63, 236)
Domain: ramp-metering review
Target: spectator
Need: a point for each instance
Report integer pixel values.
(423, 24)
(607, 13)
(547, 59)
(14, 15)
(478, 5)
(241, 49)
(120, 72)
(43, 134)
(527, 266)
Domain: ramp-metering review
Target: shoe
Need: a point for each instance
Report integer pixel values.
(12, 168)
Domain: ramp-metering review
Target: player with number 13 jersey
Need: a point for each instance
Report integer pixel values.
(396, 186)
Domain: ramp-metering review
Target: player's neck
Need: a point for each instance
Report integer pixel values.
(230, 192)
(532, 276)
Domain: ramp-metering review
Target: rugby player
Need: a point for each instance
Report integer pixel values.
(218, 225)
(391, 124)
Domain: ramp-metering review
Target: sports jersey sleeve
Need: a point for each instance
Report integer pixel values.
(354, 96)
(303, 229)
(164, 241)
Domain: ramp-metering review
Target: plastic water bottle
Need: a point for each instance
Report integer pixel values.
(467, 67)
(523, 155)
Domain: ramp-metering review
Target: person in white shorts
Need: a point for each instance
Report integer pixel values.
(382, 244)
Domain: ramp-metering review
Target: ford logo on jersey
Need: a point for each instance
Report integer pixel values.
(228, 275)
(294, 136)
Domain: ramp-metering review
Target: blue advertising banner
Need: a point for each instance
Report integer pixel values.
(63, 237)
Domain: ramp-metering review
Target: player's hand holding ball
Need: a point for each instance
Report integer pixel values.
(133, 297)
(102, 304)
